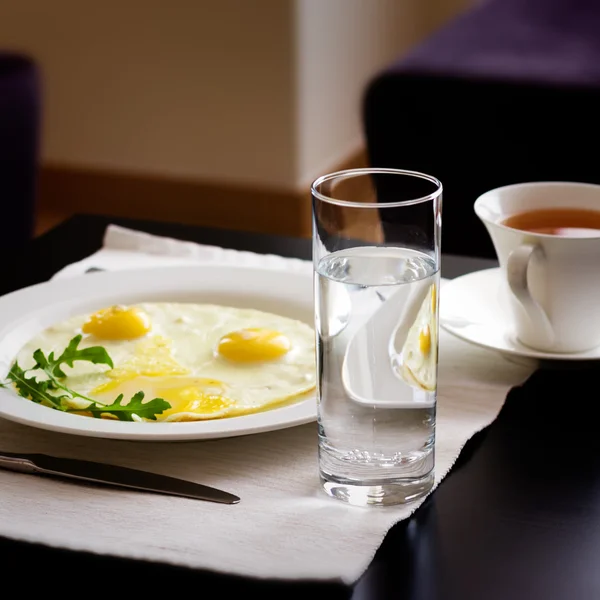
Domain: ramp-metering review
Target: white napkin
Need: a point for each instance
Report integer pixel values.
(285, 527)
(127, 249)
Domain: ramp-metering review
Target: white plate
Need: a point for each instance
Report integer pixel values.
(471, 308)
(26, 312)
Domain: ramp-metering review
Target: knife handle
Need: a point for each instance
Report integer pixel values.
(17, 463)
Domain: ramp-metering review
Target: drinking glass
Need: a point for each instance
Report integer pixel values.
(376, 255)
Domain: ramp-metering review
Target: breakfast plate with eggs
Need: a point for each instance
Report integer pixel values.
(179, 353)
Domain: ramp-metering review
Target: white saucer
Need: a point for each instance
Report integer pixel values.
(471, 308)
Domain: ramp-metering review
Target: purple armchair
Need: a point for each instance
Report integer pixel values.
(19, 143)
(507, 92)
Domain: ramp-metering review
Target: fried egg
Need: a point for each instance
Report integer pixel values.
(418, 360)
(208, 361)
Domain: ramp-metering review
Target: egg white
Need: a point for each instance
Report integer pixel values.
(417, 367)
(182, 345)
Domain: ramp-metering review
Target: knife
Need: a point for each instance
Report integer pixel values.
(112, 475)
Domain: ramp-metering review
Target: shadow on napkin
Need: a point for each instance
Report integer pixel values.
(111, 575)
(519, 514)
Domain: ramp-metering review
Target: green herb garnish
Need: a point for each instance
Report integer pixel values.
(53, 393)
(135, 406)
(29, 387)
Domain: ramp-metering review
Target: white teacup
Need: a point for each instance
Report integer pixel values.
(552, 281)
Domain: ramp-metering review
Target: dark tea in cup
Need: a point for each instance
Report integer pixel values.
(566, 222)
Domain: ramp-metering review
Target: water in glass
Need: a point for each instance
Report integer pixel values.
(377, 331)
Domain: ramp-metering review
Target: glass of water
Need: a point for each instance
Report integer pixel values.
(376, 253)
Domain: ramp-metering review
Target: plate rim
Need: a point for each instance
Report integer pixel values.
(17, 409)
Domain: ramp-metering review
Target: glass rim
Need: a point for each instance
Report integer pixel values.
(347, 173)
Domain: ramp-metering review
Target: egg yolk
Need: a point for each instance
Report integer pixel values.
(200, 396)
(425, 340)
(118, 323)
(204, 397)
(253, 345)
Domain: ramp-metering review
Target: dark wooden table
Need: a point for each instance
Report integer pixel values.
(518, 517)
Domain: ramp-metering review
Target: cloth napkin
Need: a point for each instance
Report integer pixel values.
(285, 527)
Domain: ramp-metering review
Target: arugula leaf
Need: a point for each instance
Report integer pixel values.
(29, 387)
(40, 391)
(125, 412)
(51, 366)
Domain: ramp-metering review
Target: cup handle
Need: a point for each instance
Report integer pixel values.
(517, 267)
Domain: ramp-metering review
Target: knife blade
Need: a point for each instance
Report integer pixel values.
(112, 475)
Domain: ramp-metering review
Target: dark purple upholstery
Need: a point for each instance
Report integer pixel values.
(507, 92)
(19, 142)
(523, 40)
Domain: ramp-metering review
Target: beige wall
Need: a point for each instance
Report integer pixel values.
(260, 92)
(185, 88)
(340, 44)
